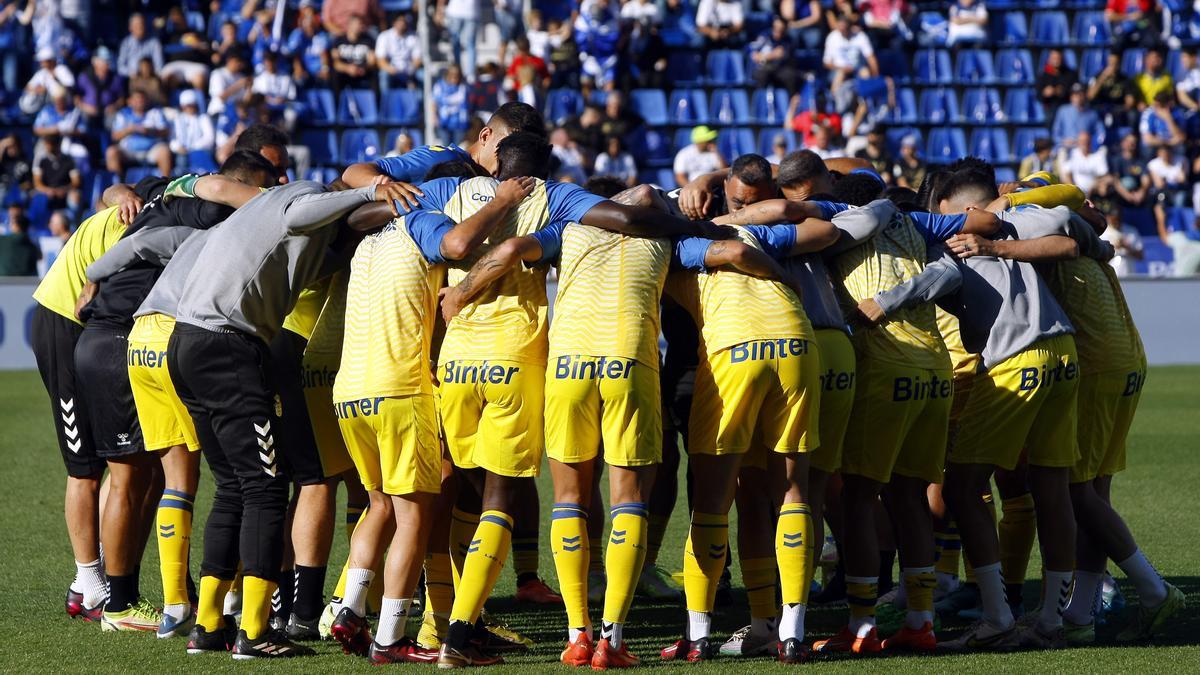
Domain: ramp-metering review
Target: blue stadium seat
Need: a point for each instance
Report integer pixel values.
(725, 66)
(683, 138)
(905, 111)
(1141, 219)
(932, 66)
(101, 181)
(1131, 61)
(1044, 4)
(38, 210)
(991, 144)
(651, 104)
(664, 178)
(322, 144)
(417, 136)
(808, 96)
(1068, 59)
(729, 107)
(982, 106)
(199, 161)
(1021, 106)
(769, 106)
(734, 143)
(402, 107)
(685, 68)
(1049, 28)
(563, 103)
(319, 107)
(1156, 256)
(1024, 138)
(1175, 64)
(1005, 174)
(939, 106)
(893, 63)
(652, 148)
(1014, 66)
(688, 106)
(895, 135)
(1091, 28)
(945, 145)
(1091, 63)
(360, 145)
(767, 138)
(1010, 28)
(134, 174)
(358, 107)
(974, 66)
(808, 60)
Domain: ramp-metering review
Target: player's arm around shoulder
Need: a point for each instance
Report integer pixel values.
(465, 237)
(493, 265)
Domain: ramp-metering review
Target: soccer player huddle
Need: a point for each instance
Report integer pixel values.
(837, 352)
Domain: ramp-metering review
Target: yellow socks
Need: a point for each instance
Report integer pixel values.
(212, 602)
(174, 537)
(256, 605)
(486, 554)
(704, 559)
(949, 549)
(793, 553)
(758, 575)
(624, 559)
(462, 530)
(1018, 527)
(919, 583)
(861, 594)
(654, 538)
(569, 544)
(439, 584)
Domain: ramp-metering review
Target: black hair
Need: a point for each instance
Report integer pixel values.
(258, 136)
(934, 180)
(605, 186)
(857, 189)
(799, 167)
(974, 164)
(751, 169)
(456, 168)
(520, 117)
(244, 164)
(522, 154)
(905, 198)
(979, 185)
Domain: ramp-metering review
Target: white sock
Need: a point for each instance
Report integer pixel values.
(1152, 590)
(699, 625)
(946, 583)
(392, 619)
(1083, 597)
(178, 612)
(233, 603)
(991, 592)
(861, 626)
(358, 582)
(613, 633)
(1055, 592)
(764, 627)
(89, 580)
(573, 633)
(791, 624)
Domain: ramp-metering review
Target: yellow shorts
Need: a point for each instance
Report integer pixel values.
(1107, 403)
(595, 400)
(898, 424)
(757, 397)
(837, 397)
(393, 442)
(1027, 401)
(318, 378)
(492, 415)
(164, 418)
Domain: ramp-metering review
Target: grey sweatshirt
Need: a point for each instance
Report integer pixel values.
(1003, 306)
(252, 268)
(155, 245)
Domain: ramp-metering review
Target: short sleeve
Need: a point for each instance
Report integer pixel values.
(831, 209)
(427, 229)
(776, 240)
(150, 187)
(937, 227)
(413, 166)
(689, 253)
(438, 193)
(569, 202)
(550, 238)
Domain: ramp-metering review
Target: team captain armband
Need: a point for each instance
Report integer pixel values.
(1049, 197)
(182, 187)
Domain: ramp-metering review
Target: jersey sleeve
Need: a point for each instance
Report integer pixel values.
(937, 227)
(569, 202)
(689, 253)
(413, 166)
(940, 277)
(150, 187)
(830, 209)
(550, 238)
(427, 229)
(776, 240)
(438, 193)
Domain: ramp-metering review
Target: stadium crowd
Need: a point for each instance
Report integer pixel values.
(647, 90)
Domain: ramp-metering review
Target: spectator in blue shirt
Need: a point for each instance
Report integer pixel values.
(771, 54)
(598, 34)
(450, 104)
(309, 44)
(64, 120)
(139, 133)
(1161, 124)
(1074, 117)
(803, 19)
(136, 46)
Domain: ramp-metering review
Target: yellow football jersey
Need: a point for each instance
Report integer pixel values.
(895, 255)
(507, 320)
(303, 317)
(1091, 295)
(60, 289)
(731, 308)
(963, 361)
(327, 334)
(609, 289)
(391, 302)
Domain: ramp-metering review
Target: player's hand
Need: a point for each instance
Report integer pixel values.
(1009, 186)
(399, 195)
(85, 296)
(970, 245)
(512, 191)
(381, 179)
(694, 201)
(183, 187)
(717, 232)
(128, 206)
(868, 313)
(452, 302)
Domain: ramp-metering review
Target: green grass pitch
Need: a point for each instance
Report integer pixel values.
(1157, 495)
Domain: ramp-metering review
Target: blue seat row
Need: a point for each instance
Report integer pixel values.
(355, 145)
(947, 144)
(361, 107)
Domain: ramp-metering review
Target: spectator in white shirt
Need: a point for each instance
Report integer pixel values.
(614, 161)
(825, 143)
(848, 54)
(192, 131)
(229, 83)
(1083, 166)
(51, 77)
(699, 158)
(540, 40)
(570, 159)
(398, 53)
(461, 18)
(642, 13)
(721, 22)
(1126, 242)
(139, 132)
(968, 23)
(1187, 89)
(278, 89)
(137, 46)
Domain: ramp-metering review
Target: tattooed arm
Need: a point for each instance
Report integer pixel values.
(487, 270)
(771, 211)
(748, 260)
